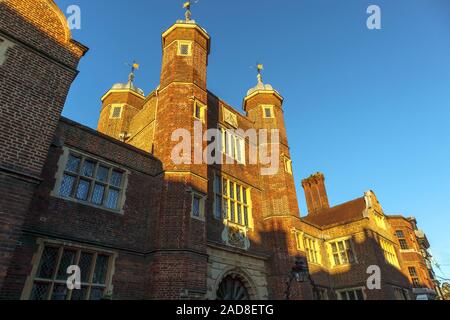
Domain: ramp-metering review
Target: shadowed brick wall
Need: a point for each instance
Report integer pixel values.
(36, 72)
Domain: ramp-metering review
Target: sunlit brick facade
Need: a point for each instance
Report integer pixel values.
(139, 225)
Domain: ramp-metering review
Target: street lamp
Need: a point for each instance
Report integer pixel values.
(299, 273)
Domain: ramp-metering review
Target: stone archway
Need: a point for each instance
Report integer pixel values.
(234, 287)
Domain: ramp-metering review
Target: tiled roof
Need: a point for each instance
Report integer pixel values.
(341, 214)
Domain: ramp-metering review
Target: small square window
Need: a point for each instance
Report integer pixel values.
(196, 206)
(199, 111)
(116, 112)
(268, 112)
(198, 203)
(184, 48)
(400, 234)
(404, 244)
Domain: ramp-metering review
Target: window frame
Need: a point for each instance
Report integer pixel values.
(233, 145)
(181, 43)
(339, 252)
(202, 205)
(203, 111)
(242, 202)
(266, 107)
(63, 171)
(401, 294)
(287, 165)
(321, 294)
(53, 281)
(113, 108)
(340, 293)
(389, 252)
(380, 220)
(403, 242)
(414, 276)
(313, 254)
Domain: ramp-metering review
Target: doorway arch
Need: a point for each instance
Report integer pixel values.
(235, 287)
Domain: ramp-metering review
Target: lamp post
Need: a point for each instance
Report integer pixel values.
(299, 273)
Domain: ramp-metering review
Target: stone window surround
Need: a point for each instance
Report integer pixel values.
(299, 237)
(203, 111)
(36, 259)
(226, 221)
(389, 252)
(287, 164)
(203, 199)
(380, 220)
(180, 44)
(341, 291)
(237, 142)
(317, 249)
(62, 168)
(114, 106)
(330, 252)
(265, 107)
(5, 44)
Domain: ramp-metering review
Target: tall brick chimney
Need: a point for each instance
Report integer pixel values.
(315, 193)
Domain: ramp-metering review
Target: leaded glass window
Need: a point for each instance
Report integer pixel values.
(342, 253)
(49, 282)
(231, 201)
(352, 294)
(93, 182)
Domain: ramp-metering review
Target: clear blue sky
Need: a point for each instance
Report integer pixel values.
(369, 109)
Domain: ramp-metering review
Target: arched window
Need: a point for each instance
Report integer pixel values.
(232, 288)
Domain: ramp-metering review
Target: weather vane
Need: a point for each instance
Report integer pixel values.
(134, 66)
(260, 68)
(187, 6)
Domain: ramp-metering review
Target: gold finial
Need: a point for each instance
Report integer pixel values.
(260, 68)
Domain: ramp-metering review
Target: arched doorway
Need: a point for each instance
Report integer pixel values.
(232, 287)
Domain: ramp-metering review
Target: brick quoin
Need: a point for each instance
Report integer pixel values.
(157, 249)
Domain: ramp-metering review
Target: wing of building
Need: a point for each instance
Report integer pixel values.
(117, 205)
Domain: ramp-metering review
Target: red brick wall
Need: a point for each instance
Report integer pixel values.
(34, 80)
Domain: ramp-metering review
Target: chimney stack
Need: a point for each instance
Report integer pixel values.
(315, 193)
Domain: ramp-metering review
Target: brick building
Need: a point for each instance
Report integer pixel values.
(142, 226)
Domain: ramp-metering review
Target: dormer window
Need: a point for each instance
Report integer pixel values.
(184, 48)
